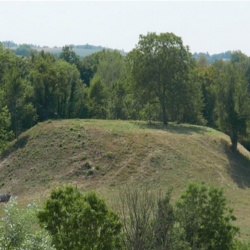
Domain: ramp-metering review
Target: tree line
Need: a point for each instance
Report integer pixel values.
(70, 219)
(159, 80)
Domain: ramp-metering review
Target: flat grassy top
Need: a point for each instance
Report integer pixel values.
(107, 155)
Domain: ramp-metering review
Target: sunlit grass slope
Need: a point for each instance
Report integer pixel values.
(105, 155)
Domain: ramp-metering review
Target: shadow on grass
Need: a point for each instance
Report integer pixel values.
(14, 146)
(239, 168)
(171, 127)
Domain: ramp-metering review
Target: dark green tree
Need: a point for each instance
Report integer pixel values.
(161, 66)
(68, 83)
(78, 222)
(164, 223)
(24, 50)
(5, 132)
(98, 98)
(89, 66)
(111, 70)
(43, 77)
(69, 55)
(207, 76)
(232, 102)
(18, 95)
(206, 219)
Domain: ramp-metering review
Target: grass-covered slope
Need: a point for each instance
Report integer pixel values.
(105, 155)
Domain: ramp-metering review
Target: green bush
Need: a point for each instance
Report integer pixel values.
(207, 221)
(17, 229)
(78, 222)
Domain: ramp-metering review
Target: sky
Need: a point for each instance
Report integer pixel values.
(205, 26)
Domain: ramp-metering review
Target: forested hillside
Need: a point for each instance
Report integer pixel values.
(157, 81)
(25, 49)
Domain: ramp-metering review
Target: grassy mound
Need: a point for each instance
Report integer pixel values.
(105, 155)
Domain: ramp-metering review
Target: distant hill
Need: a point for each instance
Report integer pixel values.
(212, 58)
(81, 50)
(106, 155)
(88, 49)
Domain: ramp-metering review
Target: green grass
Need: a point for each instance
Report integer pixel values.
(107, 155)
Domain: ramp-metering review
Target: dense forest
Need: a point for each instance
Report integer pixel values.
(159, 80)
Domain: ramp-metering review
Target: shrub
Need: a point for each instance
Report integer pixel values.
(203, 214)
(17, 229)
(78, 222)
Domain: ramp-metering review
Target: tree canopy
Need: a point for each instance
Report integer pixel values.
(158, 80)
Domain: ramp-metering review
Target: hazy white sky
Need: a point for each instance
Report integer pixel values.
(205, 26)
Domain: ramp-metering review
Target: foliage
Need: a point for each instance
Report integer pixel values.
(160, 66)
(98, 98)
(207, 77)
(18, 95)
(5, 133)
(158, 80)
(77, 221)
(69, 55)
(23, 50)
(207, 221)
(17, 229)
(148, 221)
(232, 102)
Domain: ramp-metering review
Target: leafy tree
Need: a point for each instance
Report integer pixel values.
(68, 83)
(89, 66)
(160, 66)
(5, 133)
(165, 235)
(232, 102)
(18, 94)
(43, 77)
(7, 60)
(207, 76)
(23, 50)
(206, 219)
(69, 55)
(17, 229)
(97, 98)
(111, 70)
(76, 221)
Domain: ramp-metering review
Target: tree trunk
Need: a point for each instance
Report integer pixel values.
(164, 113)
(234, 140)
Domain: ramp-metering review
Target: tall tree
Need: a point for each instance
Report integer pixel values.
(69, 55)
(43, 77)
(68, 83)
(18, 95)
(232, 102)
(161, 66)
(89, 66)
(98, 98)
(207, 76)
(111, 70)
(5, 133)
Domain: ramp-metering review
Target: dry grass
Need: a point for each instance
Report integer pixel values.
(106, 155)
